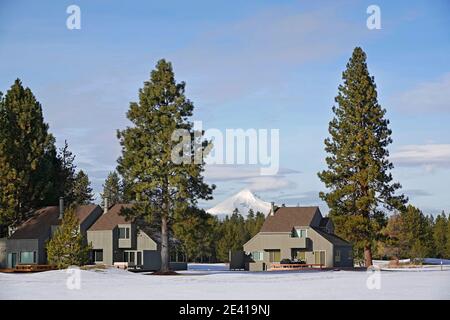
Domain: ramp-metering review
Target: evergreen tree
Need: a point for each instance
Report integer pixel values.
(196, 233)
(82, 190)
(358, 177)
(394, 244)
(417, 232)
(233, 235)
(447, 247)
(67, 174)
(112, 189)
(163, 189)
(259, 221)
(25, 148)
(440, 235)
(253, 223)
(67, 246)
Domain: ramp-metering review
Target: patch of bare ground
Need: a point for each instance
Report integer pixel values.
(164, 273)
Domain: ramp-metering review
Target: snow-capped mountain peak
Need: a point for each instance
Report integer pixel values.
(244, 200)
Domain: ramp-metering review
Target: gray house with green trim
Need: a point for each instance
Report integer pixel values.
(297, 233)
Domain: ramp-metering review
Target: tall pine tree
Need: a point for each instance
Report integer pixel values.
(163, 189)
(358, 177)
(26, 152)
(112, 189)
(82, 190)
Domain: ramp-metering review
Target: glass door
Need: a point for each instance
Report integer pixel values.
(12, 260)
(319, 257)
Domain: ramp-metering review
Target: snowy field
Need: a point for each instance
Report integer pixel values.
(214, 281)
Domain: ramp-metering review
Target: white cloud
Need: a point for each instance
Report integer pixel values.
(429, 156)
(433, 96)
(261, 184)
(239, 172)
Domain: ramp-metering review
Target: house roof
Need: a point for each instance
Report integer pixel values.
(111, 219)
(323, 222)
(334, 239)
(286, 218)
(44, 218)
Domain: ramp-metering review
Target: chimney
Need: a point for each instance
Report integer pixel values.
(272, 208)
(105, 206)
(61, 207)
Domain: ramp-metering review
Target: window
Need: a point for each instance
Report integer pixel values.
(299, 233)
(98, 255)
(337, 256)
(274, 255)
(28, 257)
(124, 233)
(350, 255)
(258, 255)
(128, 256)
(299, 254)
(319, 257)
(139, 258)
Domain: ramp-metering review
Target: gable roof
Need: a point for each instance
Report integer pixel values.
(334, 239)
(44, 218)
(286, 218)
(111, 218)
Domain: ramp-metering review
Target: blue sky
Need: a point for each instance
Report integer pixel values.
(247, 64)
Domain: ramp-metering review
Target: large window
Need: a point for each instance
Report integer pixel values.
(124, 233)
(98, 255)
(258, 255)
(28, 257)
(274, 255)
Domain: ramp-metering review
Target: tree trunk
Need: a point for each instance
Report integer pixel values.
(368, 256)
(165, 267)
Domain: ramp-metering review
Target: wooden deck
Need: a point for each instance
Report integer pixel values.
(294, 266)
(22, 268)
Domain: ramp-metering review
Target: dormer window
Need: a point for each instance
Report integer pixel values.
(124, 233)
(299, 233)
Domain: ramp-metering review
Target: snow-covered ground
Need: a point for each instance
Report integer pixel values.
(214, 281)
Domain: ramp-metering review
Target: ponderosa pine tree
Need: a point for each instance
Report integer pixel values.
(163, 188)
(82, 190)
(26, 151)
(358, 177)
(112, 189)
(67, 173)
(67, 246)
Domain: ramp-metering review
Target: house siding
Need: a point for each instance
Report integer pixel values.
(102, 240)
(265, 241)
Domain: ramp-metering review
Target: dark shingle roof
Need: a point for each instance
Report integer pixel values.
(37, 225)
(334, 239)
(285, 218)
(111, 219)
(46, 217)
(323, 222)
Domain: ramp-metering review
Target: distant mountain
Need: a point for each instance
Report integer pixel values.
(243, 201)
